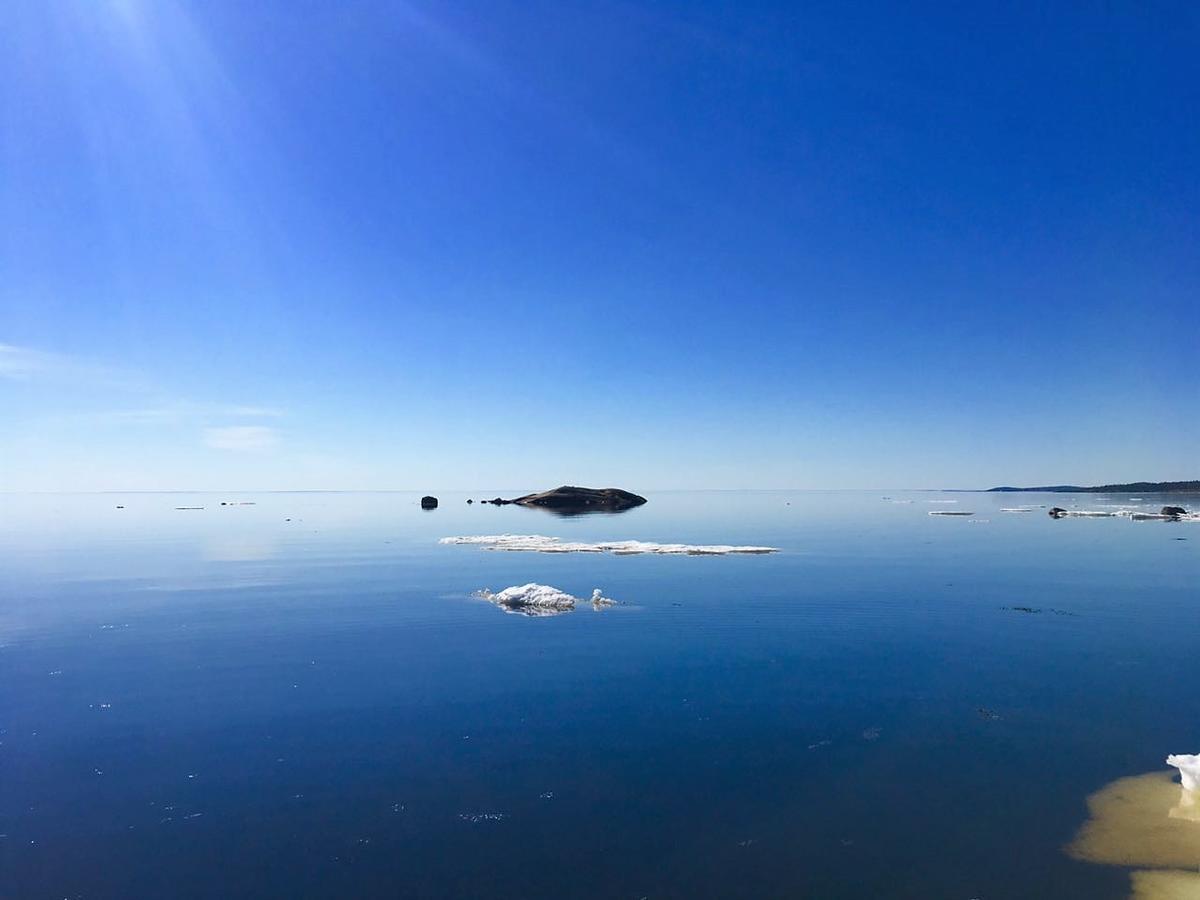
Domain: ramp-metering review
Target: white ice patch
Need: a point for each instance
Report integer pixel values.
(1189, 769)
(949, 512)
(540, 600)
(542, 544)
(1016, 509)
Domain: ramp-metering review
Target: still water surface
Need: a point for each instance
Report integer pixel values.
(301, 698)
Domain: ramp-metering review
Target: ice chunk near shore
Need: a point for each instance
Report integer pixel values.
(540, 600)
(541, 544)
(1189, 769)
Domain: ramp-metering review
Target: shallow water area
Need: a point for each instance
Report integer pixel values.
(298, 695)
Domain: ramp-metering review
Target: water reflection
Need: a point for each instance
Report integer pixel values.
(239, 547)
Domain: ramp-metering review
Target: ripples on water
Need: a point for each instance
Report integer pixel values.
(301, 698)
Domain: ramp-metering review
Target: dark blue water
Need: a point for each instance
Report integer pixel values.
(226, 703)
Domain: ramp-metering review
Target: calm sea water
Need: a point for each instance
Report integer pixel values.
(300, 698)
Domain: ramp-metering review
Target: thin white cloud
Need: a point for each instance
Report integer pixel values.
(29, 366)
(25, 364)
(242, 438)
(178, 413)
(262, 412)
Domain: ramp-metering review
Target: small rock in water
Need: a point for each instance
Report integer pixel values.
(429, 502)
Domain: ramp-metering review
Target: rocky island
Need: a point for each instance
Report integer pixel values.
(569, 498)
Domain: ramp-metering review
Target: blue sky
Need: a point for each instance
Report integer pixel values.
(407, 245)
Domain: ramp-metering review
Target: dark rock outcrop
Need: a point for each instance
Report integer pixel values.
(1057, 512)
(1173, 511)
(581, 499)
(429, 502)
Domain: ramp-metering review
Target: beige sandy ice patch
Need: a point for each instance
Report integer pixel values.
(1163, 884)
(1143, 821)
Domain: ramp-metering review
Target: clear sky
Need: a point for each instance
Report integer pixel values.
(290, 244)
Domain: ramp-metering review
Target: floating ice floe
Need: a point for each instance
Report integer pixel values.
(1189, 769)
(542, 544)
(1016, 509)
(540, 600)
(950, 512)
(1148, 823)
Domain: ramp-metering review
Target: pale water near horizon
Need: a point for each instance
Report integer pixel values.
(302, 698)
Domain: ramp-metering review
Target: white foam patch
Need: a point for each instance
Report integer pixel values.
(540, 600)
(949, 512)
(541, 544)
(1016, 509)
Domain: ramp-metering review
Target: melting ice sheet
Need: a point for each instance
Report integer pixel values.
(1149, 823)
(541, 544)
(540, 600)
(1165, 884)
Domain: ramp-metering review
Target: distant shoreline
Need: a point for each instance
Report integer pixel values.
(1146, 487)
